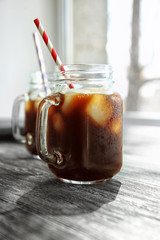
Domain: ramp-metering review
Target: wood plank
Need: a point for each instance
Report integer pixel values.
(35, 205)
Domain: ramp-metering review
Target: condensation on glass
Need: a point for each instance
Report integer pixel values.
(79, 126)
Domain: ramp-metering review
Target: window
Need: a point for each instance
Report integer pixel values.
(125, 35)
(122, 33)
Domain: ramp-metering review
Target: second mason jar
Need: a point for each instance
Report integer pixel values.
(36, 92)
(79, 126)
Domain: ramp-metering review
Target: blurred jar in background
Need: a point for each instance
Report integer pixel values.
(31, 100)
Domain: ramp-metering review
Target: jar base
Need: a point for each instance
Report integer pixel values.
(37, 157)
(84, 182)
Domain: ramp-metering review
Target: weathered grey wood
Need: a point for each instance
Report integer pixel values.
(34, 205)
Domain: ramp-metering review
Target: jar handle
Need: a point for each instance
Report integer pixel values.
(41, 131)
(16, 130)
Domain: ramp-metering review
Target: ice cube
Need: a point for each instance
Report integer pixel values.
(99, 109)
(27, 106)
(67, 104)
(58, 123)
(36, 103)
(115, 126)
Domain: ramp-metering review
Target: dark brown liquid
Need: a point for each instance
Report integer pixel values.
(87, 130)
(30, 124)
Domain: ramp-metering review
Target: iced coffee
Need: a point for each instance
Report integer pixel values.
(23, 127)
(79, 133)
(86, 129)
(30, 124)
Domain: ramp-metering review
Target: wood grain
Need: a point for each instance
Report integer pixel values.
(35, 205)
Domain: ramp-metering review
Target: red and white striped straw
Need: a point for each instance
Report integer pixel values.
(41, 61)
(50, 46)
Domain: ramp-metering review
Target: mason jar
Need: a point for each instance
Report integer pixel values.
(79, 125)
(30, 100)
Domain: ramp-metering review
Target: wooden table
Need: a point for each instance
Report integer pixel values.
(34, 205)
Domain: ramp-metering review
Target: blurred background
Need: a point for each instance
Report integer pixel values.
(122, 33)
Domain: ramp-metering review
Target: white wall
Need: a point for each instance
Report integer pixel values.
(17, 52)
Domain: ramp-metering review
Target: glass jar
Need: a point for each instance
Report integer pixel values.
(31, 101)
(79, 125)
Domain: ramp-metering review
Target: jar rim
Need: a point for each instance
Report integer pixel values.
(87, 67)
(80, 72)
(36, 78)
(92, 70)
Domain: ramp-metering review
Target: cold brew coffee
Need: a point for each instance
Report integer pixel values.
(84, 136)
(30, 124)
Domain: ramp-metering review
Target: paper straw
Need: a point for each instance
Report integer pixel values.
(41, 61)
(50, 47)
